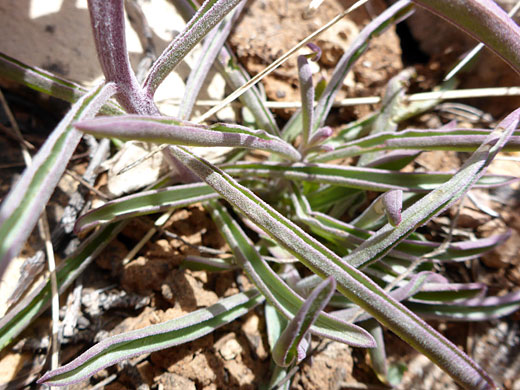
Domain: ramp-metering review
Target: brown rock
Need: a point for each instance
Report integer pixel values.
(172, 381)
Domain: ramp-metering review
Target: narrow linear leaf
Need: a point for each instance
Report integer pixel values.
(289, 349)
(402, 293)
(40, 80)
(393, 14)
(377, 354)
(207, 17)
(307, 97)
(172, 131)
(276, 291)
(476, 309)
(327, 196)
(394, 160)
(392, 102)
(350, 236)
(460, 140)
(210, 50)
(147, 202)
(27, 199)
(275, 324)
(355, 177)
(352, 283)
(236, 76)
(485, 21)
(444, 292)
(397, 12)
(393, 205)
(153, 338)
(48, 83)
(436, 201)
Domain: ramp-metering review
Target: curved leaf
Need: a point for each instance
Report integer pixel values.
(460, 140)
(276, 291)
(352, 283)
(25, 202)
(476, 309)
(48, 83)
(436, 201)
(146, 202)
(210, 50)
(355, 177)
(397, 12)
(207, 17)
(153, 338)
(289, 348)
(236, 76)
(485, 21)
(173, 131)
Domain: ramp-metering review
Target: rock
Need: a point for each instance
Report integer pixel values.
(172, 381)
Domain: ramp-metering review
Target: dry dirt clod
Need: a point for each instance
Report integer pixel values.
(170, 381)
(264, 32)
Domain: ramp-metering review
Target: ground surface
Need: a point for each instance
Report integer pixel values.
(152, 288)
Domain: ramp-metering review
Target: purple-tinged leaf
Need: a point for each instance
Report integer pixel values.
(352, 283)
(397, 12)
(212, 264)
(108, 25)
(316, 52)
(27, 199)
(210, 50)
(275, 323)
(455, 251)
(319, 149)
(460, 140)
(48, 83)
(39, 299)
(288, 349)
(389, 374)
(394, 160)
(143, 203)
(153, 338)
(485, 21)
(321, 135)
(377, 354)
(393, 205)
(275, 290)
(438, 200)
(392, 103)
(476, 309)
(402, 293)
(207, 17)
(355, 177)
(236, 76)
(173, 131)
(347, 235)
(450, 291)
(389, 203)
(307, 97)
(394, 14)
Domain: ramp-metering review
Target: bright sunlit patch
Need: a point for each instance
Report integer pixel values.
(38, 9)
(81, 4)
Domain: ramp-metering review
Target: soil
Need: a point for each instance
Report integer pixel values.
(119, 295)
